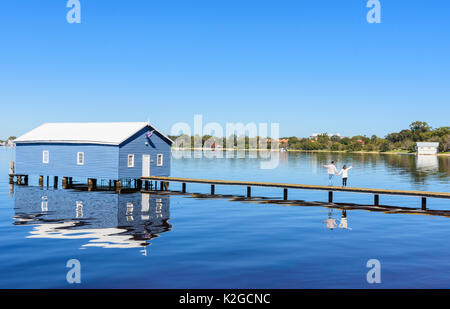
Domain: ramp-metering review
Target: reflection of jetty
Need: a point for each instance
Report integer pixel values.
(285, 186)
(106, 220)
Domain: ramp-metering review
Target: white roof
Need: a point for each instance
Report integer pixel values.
(427, 144)
(110, 133)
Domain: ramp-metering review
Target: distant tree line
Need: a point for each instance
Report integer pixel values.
(405, 140)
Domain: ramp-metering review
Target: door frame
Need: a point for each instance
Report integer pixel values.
(144, 159)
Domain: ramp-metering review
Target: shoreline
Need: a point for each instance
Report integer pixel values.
(404, 152)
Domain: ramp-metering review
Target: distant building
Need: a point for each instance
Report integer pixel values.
(427, 148)
(113, 151)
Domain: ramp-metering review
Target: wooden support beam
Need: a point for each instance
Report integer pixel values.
(11, 179)
(139, 184)
(213, 189)
(330, 196)
(26, 180)
(90, 184)
(249, 192)
(376, 200)
(70, 182)
(55, 182)
(285, 194)
(166, 186)
(118, 186)
(183, 187)
(11, 168)
(65, 182)
(146, 184)
(19, 180)
(48, 181)
(424, 203)
(161, 185)
(41, 181)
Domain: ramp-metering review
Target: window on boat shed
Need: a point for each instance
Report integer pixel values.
(45, 157)
(131, 160)
(80, 158)
(159, 161)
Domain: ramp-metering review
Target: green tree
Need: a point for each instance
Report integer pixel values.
(419, 130)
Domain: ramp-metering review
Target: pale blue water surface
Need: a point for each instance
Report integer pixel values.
(180, 241)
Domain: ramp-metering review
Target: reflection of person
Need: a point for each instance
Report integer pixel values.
(331, 222)
(343, 224)
(344, 172)
(332, 170)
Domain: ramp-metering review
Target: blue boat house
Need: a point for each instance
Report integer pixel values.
(118, 152)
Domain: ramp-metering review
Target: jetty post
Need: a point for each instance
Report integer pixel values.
(118, 186)
(65, 182)
(11, 172)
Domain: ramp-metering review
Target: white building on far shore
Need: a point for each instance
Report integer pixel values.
(427, 148)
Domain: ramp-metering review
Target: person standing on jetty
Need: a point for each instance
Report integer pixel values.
(344, 172)
(332, 170)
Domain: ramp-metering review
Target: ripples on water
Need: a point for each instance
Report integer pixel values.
(194, 241)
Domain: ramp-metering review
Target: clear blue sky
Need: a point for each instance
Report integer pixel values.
(312, 66)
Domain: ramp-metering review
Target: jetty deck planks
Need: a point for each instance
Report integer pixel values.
(301, 186)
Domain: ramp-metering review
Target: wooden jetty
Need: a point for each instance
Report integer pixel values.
(285, 186)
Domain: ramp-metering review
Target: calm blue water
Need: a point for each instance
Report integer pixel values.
(156, 241)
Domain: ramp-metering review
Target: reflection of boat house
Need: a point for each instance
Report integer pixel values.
(107, 220)
(112, 151)
(427, 148)
(427, 163)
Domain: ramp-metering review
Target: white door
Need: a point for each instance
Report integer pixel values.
(145, 165)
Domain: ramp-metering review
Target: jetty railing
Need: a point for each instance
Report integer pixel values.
(285, 186)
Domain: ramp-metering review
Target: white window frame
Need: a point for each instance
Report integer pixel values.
(44, 152)
(78, 158)
(158, 163)
(132, 161)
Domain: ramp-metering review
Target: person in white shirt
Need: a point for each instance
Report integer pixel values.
(343, 224)
(331, 222)
(344, 172)
(332, 170)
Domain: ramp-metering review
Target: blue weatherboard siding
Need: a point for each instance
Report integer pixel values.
(157, 144)
(100, 161)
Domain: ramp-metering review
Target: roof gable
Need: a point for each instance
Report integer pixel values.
(107, 133)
